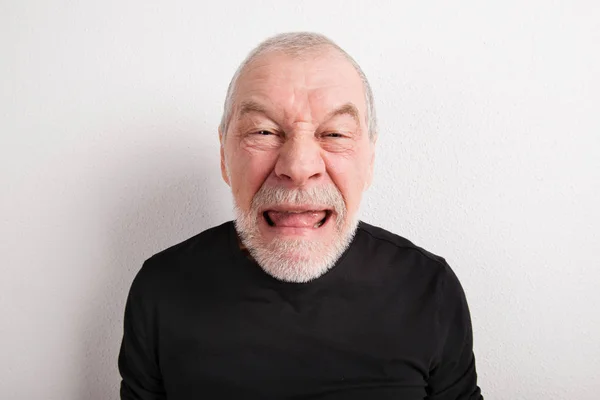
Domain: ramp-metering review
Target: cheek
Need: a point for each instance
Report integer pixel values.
(349, 175)
(248, 172)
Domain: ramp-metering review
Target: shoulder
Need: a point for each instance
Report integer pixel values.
(195, 252)
(404, 258)
(416, 270)
(215, 239)
(390, 241)
(379, 242)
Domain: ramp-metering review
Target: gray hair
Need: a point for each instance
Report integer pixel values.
(297, 44)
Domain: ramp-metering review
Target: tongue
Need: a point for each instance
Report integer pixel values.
(306, 219)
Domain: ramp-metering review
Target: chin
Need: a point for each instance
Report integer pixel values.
(296, 235)
(294, 260)
(293, 257)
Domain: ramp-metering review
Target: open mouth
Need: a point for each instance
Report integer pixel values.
(296, 219)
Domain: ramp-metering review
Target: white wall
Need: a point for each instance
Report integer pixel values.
(489, 154)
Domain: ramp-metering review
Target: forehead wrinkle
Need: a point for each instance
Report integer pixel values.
(298, 103)
(299, 110)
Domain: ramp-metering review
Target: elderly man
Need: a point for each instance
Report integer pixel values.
(297, 298)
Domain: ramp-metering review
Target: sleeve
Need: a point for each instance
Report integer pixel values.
(452, 374)
(138, 357)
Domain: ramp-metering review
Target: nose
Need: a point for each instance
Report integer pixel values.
(300, 162)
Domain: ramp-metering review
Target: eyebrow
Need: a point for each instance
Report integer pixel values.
(346, 109)
(250, 106)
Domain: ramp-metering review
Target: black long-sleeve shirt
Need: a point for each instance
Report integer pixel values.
(389, 321)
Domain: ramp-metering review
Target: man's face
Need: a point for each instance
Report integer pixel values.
(298, 157)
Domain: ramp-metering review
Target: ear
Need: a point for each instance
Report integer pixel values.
(223, 165)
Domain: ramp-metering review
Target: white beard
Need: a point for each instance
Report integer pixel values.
(295, 260)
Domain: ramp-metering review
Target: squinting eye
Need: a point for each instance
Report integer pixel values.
(334, 135)
(264, 133)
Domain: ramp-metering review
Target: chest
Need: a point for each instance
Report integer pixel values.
(362, 344)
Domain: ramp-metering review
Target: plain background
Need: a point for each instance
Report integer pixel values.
(489, 155)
